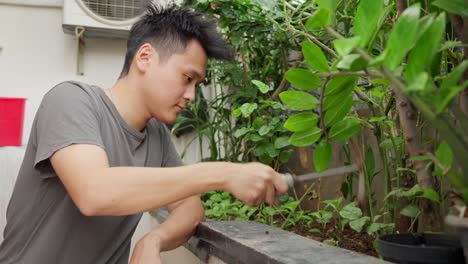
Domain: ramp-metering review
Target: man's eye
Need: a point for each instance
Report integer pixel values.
(189, 79)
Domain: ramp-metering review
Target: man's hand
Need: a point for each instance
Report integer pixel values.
(147, 250)
(254, 183)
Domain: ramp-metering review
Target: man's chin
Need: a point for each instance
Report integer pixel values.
(170, 120)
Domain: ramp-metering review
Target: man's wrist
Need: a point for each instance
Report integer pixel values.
(155, 238)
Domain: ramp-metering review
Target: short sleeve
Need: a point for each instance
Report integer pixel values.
(171, 156)
(67, 115)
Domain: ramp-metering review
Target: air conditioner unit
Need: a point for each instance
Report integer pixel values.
(103, 18)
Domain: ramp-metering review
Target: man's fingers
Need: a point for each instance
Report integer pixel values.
(270, 195)
(280, 183)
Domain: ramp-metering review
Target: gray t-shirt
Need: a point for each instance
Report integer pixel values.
(43, 224)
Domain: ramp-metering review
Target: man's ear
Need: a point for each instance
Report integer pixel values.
(144, 57)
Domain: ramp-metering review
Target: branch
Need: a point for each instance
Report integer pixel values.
(322, 96)
(245, 67)
(283, 85)
(313, 39)
(434, 159)
(401, 6)
(358, 74)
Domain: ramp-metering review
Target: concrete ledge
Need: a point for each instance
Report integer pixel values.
(243, 242)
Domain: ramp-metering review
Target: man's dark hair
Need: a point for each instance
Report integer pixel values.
(169, 30)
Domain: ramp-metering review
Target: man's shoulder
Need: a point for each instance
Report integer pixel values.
(74, 87)
(71, 96)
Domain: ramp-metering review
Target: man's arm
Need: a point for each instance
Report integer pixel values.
(180, 224)
(97, 189)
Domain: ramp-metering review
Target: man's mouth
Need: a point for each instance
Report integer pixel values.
(181, 108)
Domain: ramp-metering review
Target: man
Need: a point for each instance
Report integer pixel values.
(96, 159)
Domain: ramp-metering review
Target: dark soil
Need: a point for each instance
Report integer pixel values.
(349, 239)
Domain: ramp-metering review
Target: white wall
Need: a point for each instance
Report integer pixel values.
(35, 55)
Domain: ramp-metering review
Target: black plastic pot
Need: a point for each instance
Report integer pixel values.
(461, 224)
(419, 248)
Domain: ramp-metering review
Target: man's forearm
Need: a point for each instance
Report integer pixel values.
(114, 192)
(180, 224)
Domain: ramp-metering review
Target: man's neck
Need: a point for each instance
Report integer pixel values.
(126, 97)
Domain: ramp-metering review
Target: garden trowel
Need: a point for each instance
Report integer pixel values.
(291, 179)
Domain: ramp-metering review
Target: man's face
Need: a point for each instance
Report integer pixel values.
(170, 85)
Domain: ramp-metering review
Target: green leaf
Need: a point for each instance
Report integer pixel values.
(301, 122)
(375, 227)
(240, 132)
(248, 108)
(413, 192)
(388, 144)
(421, 157)
(330, 5)
(445, 156)
(315, 230)
(314, 56)
(411, 210)
(335, 204)
(265, 129)
(271, 150)
(285, 156)
(337, 112)
(322, 156)
(345, 129)
(367, 19)
(352, 62)
(259, 149)
(298, 100)
(377, 119)
(430, 194)
(426, 48)
(402, 38)
(319, 19)
(448, 87)
(305, 138)
(237, 112)
(450, 44)
(447, 97)
(459, 7)
(344, 46)
(340, 83)
(303, 78)
(358, 224)
(331, 242)
(420, 84)
(292, 205)
(269, 211)
(281, 142)
(266, 150)
(351, 212)
(254, 137)
(258, 122)
(262, 86)
(337, 99)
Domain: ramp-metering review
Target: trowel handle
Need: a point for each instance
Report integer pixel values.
(289, 179)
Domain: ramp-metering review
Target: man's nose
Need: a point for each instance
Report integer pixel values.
(190, 94)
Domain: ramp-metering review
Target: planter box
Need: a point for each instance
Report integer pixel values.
(246, 242)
